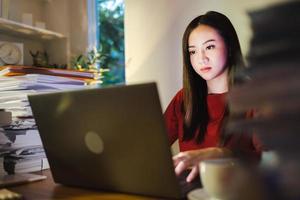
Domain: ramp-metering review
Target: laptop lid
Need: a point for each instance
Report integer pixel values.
(107, 138)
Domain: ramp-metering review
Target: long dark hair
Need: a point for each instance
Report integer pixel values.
(194, 86)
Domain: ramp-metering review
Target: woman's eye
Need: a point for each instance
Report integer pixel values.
(192, 52)
(210, 47)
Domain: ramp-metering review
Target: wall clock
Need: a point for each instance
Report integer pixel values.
(11, 53)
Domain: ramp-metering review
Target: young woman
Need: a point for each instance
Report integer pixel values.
(197, 113)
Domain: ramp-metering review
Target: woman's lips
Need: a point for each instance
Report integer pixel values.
(205, 69)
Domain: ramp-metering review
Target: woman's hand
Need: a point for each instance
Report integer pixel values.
(190, 159)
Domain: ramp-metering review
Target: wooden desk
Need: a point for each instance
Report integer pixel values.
(47, 189)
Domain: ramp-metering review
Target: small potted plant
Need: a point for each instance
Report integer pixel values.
(91, 62)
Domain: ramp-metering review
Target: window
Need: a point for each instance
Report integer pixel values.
(108, 18)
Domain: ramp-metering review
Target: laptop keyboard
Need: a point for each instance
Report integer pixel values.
(185, 186)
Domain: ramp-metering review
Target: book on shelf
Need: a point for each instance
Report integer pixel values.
(11, 70)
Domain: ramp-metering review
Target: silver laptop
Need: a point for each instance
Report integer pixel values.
(110, 139)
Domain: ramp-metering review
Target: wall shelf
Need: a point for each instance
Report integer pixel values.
(19, 29)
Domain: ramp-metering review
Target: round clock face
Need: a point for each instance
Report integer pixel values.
(10, 53)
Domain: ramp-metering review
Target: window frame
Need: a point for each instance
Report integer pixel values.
(93, 32)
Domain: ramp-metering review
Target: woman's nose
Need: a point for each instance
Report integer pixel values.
(204, 59)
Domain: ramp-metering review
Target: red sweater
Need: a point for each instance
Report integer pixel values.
(244, 144)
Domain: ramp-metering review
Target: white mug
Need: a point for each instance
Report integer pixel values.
(218, 177)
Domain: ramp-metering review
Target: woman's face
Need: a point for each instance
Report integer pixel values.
(208, 52)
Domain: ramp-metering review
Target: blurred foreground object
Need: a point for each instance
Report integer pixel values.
(273, 91)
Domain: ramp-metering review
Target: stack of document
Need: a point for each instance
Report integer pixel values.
(21, 148)
(18, 70)
(27, 159)
(39, 82)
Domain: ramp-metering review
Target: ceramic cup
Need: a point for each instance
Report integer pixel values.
(218, 178)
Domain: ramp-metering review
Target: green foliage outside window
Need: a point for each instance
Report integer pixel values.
(111, 38)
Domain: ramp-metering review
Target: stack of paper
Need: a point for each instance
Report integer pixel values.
(27, 159)
(20, 144)
(17, 70)
(39, 82)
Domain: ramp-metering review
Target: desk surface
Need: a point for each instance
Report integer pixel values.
(47, 189)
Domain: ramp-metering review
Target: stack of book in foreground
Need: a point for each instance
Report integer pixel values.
(21, 149)
(274, 91)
